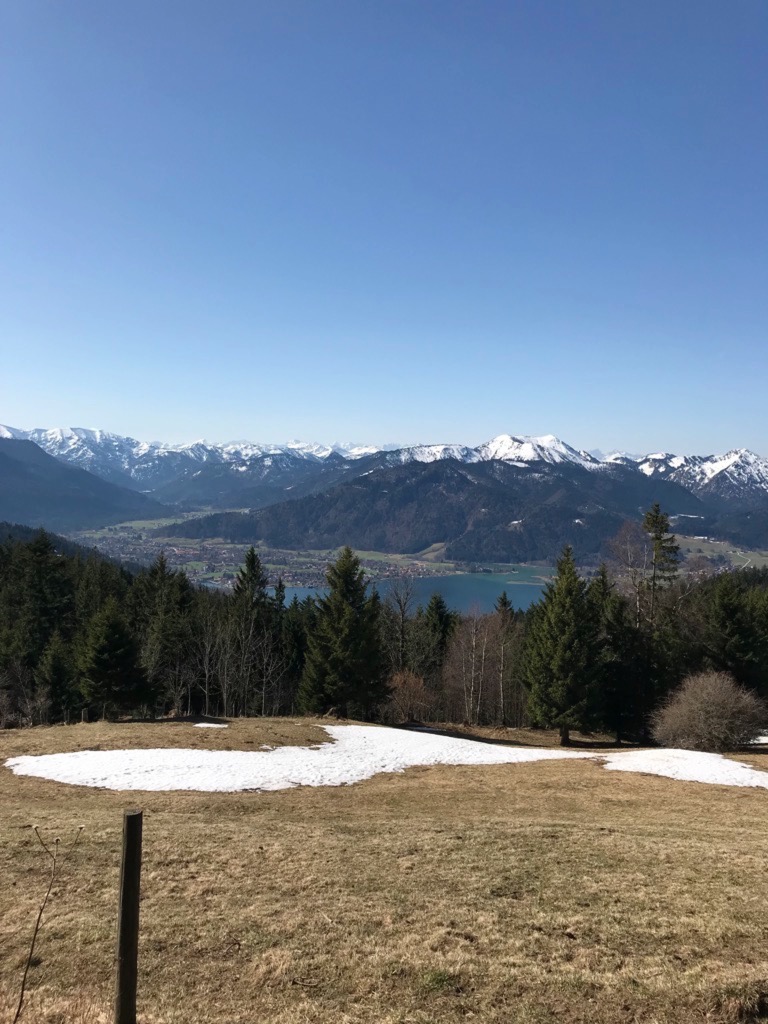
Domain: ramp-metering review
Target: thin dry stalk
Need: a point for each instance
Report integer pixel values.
(55, 864)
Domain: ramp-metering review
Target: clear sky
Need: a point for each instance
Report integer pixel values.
(387, 220)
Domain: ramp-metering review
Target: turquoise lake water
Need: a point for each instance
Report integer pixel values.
(462, 592)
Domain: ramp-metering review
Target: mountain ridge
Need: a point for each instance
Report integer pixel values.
(538, 490)
(151, 466)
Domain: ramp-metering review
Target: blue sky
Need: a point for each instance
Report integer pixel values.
(387, 221)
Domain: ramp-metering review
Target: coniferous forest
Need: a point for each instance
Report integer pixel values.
(83, 637)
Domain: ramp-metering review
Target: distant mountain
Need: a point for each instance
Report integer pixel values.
(202, 475)
(524, 450)
(738, 476)
(256, 482)
(39, 490)
(197, 474)
(483, 511)
(152, 465)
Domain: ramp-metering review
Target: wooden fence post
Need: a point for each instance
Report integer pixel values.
(128, 920)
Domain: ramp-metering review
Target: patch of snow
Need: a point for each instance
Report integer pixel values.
(359, 752)
(210, 725)
(687, 766)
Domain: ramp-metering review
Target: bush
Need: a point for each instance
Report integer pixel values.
(410, 700)
(710, 712)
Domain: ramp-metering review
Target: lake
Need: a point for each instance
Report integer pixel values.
(462, 592)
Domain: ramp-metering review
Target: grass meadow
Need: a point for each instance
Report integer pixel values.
(553, 891)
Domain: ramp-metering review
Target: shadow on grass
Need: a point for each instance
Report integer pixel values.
(498, 741)
(181, 720)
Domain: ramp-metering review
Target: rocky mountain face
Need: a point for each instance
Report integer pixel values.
(739, 475)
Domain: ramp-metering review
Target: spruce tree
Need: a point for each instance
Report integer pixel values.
(736, 631)
(429, 636)
(111, 677)
(166, 599)
(43, 598)
(560, 658)
(665, 556)
(622, 676)
(251, 581)
(55, 678)
(343, 669)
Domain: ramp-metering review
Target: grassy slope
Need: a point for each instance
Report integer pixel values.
(528, 893)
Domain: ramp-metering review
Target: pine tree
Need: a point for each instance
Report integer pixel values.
(297, 624)
(44, 598)
(736, 631)
(55, 678)
(111, 676)
(622, 676)
(665, 556)
(560, 659)
(343, 670)
(251, 581)
(166, 601)
(430, 634)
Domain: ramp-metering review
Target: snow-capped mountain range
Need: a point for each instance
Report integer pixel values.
(147, 466)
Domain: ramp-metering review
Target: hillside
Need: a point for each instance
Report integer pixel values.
(39, 490)
(490, 511)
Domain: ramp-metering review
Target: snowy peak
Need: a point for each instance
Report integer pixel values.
(523, 449)
(12, 434)
(663, 464)
(432, 453)
(737, 474)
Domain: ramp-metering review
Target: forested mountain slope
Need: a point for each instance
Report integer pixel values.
(39, 490)
(490, 511)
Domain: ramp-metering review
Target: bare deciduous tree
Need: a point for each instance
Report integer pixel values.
(399, 603)
(467, 665)
(631, 554)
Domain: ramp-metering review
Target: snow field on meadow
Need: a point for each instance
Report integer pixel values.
(357, 753)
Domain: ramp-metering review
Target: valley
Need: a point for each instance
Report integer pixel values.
(215, 563)
(462, 585)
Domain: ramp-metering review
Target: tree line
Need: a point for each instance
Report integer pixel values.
(80, 634)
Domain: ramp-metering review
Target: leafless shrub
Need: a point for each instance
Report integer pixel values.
(710, 712)
(410, 699)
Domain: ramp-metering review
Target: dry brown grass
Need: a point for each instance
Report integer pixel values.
(518, 893)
